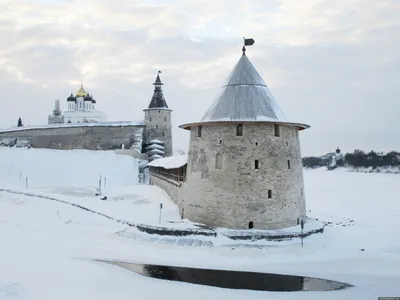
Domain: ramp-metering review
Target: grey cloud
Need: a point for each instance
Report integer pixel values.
(342, 80)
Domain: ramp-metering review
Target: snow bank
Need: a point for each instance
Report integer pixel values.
(45, 167)
(15, 142)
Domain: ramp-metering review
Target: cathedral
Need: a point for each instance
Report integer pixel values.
(157, 128)
(81, 109)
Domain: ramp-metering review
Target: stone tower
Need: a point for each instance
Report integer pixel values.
(157, 118)
(244, 163)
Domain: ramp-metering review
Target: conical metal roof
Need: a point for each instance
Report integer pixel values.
(245, 98)
(158, 99)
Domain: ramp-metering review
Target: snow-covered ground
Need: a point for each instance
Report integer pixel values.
(47, 246)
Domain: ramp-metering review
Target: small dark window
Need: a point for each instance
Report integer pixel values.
(163, 134)
(165, 119)
(218, 161)
(157, 126)
(150, 119)
(287, 144)
(277, 130)
(199, 131)
(298, 221)
(220, 141)
(256, 143)
(288, 164)
(239, 129)
(158, 111)
(256, 164)
(251, 225)
(269, 194)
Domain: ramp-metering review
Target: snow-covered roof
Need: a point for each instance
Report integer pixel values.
(67, 125)
(156, 151)
(156, 142)
(155, 146)
(245, 98)
(172, 162)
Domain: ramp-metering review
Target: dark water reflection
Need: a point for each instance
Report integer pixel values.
(234, 279)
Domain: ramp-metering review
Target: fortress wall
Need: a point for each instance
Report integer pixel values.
(174, 191)
(81, 137)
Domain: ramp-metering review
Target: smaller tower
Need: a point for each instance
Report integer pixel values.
(157, 118)
(56, 117)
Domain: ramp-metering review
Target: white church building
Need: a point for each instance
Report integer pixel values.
(81, 109)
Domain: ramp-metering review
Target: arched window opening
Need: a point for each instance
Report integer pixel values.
(251, 225)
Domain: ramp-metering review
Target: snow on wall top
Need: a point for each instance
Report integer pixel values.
(66, 125)
(171, 162)
(245, 98)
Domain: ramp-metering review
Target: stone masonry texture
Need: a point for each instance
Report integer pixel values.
(238, 194)
(158, 127)
(90, 137)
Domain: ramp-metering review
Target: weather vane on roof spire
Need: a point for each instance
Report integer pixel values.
(247, 42)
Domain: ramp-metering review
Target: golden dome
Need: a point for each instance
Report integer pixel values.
(81, 92)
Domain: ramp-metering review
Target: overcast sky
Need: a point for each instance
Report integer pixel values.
(332, 64)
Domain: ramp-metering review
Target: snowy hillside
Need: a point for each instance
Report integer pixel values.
(48, 245)
(45, 167)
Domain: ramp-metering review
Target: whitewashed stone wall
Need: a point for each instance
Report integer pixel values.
(158, 126)
(238, 193)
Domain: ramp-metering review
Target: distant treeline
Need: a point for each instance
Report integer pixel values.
(356, 159)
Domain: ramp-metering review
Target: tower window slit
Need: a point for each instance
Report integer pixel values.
(288, 164)
(277, 130)
(239, 129)
(269, 194)
(218, 161)
(157, 126)
(199, 128)
(256, 164)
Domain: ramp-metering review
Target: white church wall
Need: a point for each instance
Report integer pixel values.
(81, 116)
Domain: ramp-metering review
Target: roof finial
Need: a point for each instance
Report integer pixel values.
(247, 42)
(158, 80)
